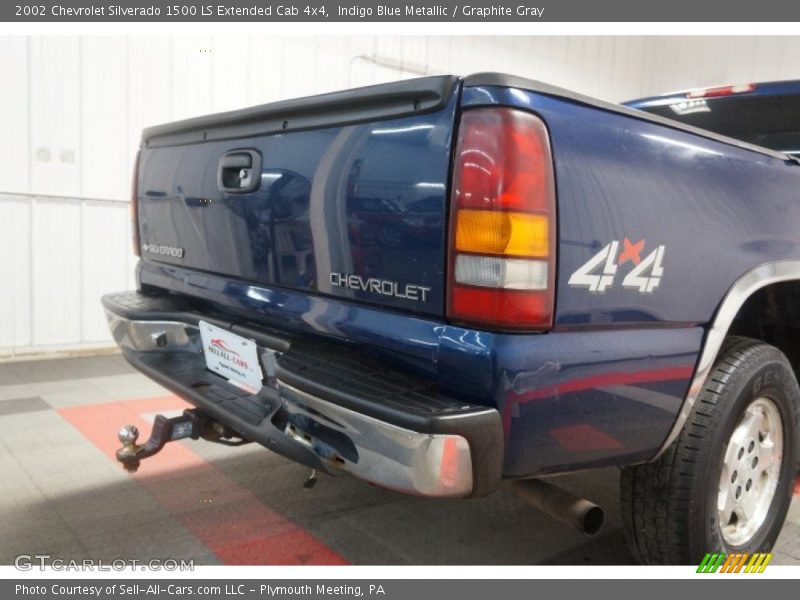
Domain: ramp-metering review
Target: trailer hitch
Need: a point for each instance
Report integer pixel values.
(192, 424)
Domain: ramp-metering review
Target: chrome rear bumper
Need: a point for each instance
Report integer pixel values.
(437, 462)
(407, 461)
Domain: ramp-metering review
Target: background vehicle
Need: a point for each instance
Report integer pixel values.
(767, 114)
(605, 287)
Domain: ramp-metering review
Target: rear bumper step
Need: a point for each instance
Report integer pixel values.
(322, 405)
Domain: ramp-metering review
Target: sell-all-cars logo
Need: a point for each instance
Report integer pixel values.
(734, 563)
(221, 349)
(218, 343)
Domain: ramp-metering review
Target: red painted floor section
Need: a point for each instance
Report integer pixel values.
(223, 515)
(797, 487)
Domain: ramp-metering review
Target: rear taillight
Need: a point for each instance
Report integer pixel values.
(135, 207)
(503, 222)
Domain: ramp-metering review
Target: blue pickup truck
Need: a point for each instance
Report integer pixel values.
(440, 284)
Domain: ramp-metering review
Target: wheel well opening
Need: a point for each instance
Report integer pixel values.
(772, 314)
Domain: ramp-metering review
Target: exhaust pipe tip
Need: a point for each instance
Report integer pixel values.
(593, 520)
(579, 513)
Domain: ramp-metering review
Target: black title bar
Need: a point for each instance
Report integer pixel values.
(733, 588)
(418, 11)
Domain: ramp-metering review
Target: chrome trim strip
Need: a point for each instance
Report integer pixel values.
(749, 283)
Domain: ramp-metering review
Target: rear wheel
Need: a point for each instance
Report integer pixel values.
(750, 472)
(726, 483)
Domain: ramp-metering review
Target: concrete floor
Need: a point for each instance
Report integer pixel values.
(63, 494)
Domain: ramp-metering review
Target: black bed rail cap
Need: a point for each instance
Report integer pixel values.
(357, 105)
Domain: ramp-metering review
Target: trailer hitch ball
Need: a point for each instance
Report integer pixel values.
(128, 434)
(191, 424)
(127, 455)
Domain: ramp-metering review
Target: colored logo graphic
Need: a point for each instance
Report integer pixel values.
(599, 273)
(735, 563)
(223, 346)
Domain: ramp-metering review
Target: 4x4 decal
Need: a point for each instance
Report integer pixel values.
(599, 272)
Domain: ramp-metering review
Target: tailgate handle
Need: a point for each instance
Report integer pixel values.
(239, 171)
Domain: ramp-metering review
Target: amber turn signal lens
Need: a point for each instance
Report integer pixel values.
(501, 232)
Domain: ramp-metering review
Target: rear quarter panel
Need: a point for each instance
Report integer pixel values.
(605, 386)
(718, 210)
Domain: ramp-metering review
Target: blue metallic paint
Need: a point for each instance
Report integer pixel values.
(623, 386)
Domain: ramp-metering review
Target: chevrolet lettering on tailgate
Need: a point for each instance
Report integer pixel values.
(384, 287)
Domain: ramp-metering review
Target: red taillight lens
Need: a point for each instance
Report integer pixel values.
(135, 207)
(502, 227)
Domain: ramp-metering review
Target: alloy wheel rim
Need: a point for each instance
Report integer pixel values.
(750, 472)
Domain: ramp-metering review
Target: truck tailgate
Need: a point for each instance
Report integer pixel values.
(343, 194)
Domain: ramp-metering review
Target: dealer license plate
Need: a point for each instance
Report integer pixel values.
(232, 356)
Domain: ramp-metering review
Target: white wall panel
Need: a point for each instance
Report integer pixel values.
(15, 273)
(57, 273)
(330, 71)
(414, 57)
(103, 136)
(15, 146)
(299, 55)
(54, 116)
(72, 111)
(362, 69)
(191, 76)
(105, 262)
(267, 69)
(148, 89)
(62, 254)
(230, 72)
(437, 54)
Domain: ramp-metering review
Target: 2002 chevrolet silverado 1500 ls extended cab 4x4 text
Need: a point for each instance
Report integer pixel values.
(439, 284)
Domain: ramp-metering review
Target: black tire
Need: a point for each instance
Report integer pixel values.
(669, 506)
